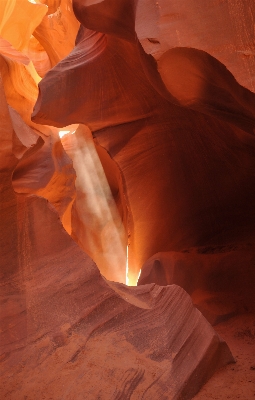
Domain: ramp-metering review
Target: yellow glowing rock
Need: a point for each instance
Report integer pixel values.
(52, 5)
(27, 56)
(20, 86)
(18, 20)
(9, 52)
(38, 56)
(57, 31)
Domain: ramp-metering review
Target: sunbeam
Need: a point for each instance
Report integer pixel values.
(96, 223)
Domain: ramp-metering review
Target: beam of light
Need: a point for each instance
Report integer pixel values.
(127, 279)
(139, 274)
(67, 130)
(35, 2)
(63, 133)
(96, 222)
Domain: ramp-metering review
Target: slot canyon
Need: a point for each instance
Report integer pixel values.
(127, 199)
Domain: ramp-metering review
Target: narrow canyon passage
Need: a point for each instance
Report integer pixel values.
(127, 192)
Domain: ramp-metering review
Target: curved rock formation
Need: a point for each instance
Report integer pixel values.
(47, 171)
(224, 29)
(220, 280)
(176, 142)
(19, 18)
(56, 308)
(202, 83)
(188, 176)
(57, 31)
(77, 329)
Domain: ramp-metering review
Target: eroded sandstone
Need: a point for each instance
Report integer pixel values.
(175, 138)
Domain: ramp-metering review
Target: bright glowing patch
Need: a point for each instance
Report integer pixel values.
(67, 129)
(101, 230)
(127, 279)
(63, 133)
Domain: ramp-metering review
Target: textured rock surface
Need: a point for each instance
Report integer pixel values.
(235, 381)
(202, 83)
(176, 142)
(188, 177)
(48, 172)
(219, 280)
(74, 337)
(19, 18)
(224, 28)
(57, 31)
(67, 333)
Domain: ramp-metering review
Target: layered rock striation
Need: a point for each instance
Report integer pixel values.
(66, 332)
(188, 172)
(155, 173)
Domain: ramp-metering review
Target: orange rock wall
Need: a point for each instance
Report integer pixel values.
(162, 93)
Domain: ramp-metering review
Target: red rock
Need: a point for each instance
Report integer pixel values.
(74, 329)
(66, 332)
(8, 161)
(202, 83)
(224, 29)
(220, 280)
(47, 171)
(188, 177)
(176, 141)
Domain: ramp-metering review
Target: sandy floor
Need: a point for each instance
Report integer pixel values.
(236, 381)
